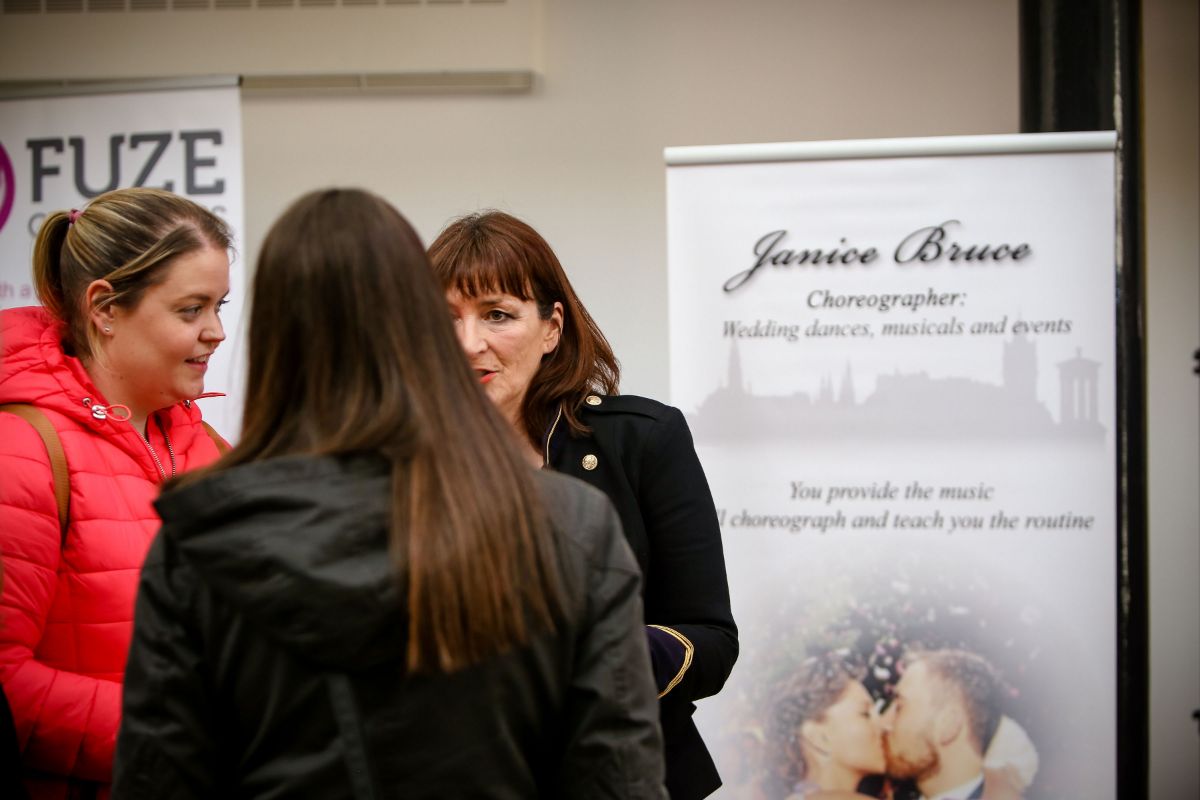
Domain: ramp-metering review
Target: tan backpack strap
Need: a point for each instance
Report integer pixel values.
(222, 445)
(58, 459)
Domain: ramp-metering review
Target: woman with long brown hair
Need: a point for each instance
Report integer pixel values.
(371, 596)
(547, 367)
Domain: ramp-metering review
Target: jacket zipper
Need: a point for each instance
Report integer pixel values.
(154, 455)
(103, 412)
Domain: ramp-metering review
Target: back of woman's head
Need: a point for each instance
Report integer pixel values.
(348, 333)
(126, 237)
(495, 252)
(351, 350)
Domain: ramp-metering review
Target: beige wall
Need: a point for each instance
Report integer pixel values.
(502, 35)
(581, 158)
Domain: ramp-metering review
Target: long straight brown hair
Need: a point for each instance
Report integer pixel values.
(351, 350)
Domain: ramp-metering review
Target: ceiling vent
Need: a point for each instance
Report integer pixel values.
(110, 6)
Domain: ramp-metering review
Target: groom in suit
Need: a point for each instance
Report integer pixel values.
(945, 710)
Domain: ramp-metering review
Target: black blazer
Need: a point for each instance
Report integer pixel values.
(640, 454)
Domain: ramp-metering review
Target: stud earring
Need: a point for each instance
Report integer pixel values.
(107, 329)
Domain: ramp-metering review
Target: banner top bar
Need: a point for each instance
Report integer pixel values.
(1087, 141)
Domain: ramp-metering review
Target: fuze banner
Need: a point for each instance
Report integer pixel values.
(898, 362)
(60, 152)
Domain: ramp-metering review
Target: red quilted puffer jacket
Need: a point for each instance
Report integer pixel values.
(66, 611)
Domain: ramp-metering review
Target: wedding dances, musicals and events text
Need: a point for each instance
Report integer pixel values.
(824, 301)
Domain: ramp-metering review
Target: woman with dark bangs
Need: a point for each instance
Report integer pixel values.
(549, 370)
(371, 595)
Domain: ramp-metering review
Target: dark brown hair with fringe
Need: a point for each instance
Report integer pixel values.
(495, 252)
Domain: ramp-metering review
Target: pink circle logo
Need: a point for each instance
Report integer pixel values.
(8, 188)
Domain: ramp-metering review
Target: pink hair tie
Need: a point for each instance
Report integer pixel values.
(74, 215)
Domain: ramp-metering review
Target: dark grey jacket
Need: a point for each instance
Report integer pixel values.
(268, 657)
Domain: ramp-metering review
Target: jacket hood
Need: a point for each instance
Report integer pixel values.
(34, 369)
(299, 546)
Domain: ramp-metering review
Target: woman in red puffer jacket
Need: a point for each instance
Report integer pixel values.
(131, 289)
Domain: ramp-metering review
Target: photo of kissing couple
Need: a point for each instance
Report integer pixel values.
(941, 735)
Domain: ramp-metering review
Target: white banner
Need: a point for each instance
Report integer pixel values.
(899, 367)
(57, 153)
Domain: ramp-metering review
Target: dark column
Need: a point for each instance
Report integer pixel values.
(1067, 65)
(1081, 67)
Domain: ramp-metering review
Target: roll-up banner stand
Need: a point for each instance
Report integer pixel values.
(62, 146)
(897, 358)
